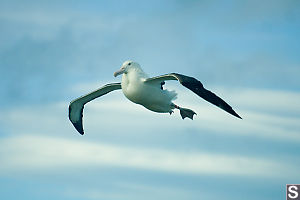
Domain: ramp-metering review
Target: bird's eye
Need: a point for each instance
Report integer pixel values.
(129, 63)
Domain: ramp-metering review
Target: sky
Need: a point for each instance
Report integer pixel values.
(52, 52)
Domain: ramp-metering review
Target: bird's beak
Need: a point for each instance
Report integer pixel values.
(119, 72)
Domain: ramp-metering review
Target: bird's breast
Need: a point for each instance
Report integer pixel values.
(133, 89)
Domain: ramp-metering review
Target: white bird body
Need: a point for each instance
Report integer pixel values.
(148, 92)
(151, 96)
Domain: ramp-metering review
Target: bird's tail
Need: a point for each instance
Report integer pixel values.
(171, 94)
(185, 112)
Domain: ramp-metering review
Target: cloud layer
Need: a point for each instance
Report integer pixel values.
(33, 153)
(29, 150)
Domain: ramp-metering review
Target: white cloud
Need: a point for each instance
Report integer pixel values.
(274, 116)
(32, 147)
(125, 190)
(267, 100)
(48, 153)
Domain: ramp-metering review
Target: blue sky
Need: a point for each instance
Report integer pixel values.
(54, 51)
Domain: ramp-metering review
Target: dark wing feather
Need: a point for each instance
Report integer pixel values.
(197, 87)
(77, 105)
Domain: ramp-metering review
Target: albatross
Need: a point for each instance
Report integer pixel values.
(148, 92)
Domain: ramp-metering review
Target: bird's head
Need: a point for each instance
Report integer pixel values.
(127, 66)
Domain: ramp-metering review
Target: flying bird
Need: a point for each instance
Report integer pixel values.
(148, 92)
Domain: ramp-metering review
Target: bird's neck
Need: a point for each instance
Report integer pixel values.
(133, 76)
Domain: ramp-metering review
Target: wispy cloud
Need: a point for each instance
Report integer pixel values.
(271, 115)
(48, 153)
(30, 150)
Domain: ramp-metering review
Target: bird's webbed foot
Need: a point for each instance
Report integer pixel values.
(185, 112)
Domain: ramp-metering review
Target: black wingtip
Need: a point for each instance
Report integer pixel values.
(78, 125)
(238, 116)
(79, 128)
(235, 114)
(223, 105)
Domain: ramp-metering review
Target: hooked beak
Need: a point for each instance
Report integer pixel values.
(119, 72)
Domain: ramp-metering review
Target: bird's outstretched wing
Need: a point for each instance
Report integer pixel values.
(197, 87)
(77, 105)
